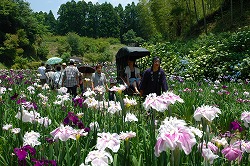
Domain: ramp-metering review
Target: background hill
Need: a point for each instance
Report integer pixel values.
(95, 32)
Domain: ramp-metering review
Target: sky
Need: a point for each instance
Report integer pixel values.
(53, 5)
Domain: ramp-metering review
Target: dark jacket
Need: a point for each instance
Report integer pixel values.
(153, 82)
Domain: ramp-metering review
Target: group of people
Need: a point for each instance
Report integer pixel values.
(153, 79)
(70, 77)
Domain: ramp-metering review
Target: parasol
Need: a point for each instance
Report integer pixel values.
(86, 69)
(54, 60)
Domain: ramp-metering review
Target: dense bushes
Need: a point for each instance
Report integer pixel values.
(211, 56)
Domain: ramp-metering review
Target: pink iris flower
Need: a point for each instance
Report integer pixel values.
(126, 135)
(209, 155)
(245, 116)
(174, 133)
(154, 102)
(160, 103)
(206, 112)
(66, 132)
(108, 140)
(232, 153)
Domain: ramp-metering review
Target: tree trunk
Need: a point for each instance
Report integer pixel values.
(204, 15)
(195, 11)
(241, 8)
(189, 12)
(231, 10)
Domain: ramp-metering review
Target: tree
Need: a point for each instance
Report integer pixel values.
(131, 18)
(108, 21)
(146, 24)
(161, 10)
(51, 22)
(93, 20)
(120, 13)
(74, 42)
(19, 30)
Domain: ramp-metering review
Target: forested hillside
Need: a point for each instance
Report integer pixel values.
(27, 36)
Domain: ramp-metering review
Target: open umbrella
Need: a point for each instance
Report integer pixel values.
(54, 60)
(86, 69)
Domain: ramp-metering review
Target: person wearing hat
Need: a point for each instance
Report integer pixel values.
(153, 79)
(64, 65)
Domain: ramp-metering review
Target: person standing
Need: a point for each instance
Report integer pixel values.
(133, 75)
(153, 79)
(98, 80)
(41, 70)
(70, 78)
(57, 78)
(49, 75)
(64, 65)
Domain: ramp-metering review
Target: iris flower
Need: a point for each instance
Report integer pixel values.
(31, 138)
(160, 103)
(154, 102)
(130, 117)
(98, 158)
(7, 127)
(78, 101)
(43, 162)
(206, 112)
(209, 155)
(66, 132)
(174, 133)
(114, 107)
(22, 152)
(108, 140)
(245, 116)
(126, 135)
(128, 102)
(232, 153)
(119, 88)
(235, 125)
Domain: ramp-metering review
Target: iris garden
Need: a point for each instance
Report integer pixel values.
(194, 123)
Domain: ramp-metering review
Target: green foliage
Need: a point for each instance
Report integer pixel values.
(42, 51)
(19, 30)
(20, 63)
(74, 42)
(131, 37)
(66, 56)
(210, 56)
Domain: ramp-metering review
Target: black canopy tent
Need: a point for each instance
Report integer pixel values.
(126, 53)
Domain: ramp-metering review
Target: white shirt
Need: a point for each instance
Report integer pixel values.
(128, 71)
(41, 70)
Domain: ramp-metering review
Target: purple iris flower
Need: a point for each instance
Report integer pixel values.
(14, 97)
(226, 134)
(73, 120)
(235, 125)
(224, 86)
(43, 162)
(22, 152)
(21, 100)
(78, 101)
(80, 125)
(50, 140)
